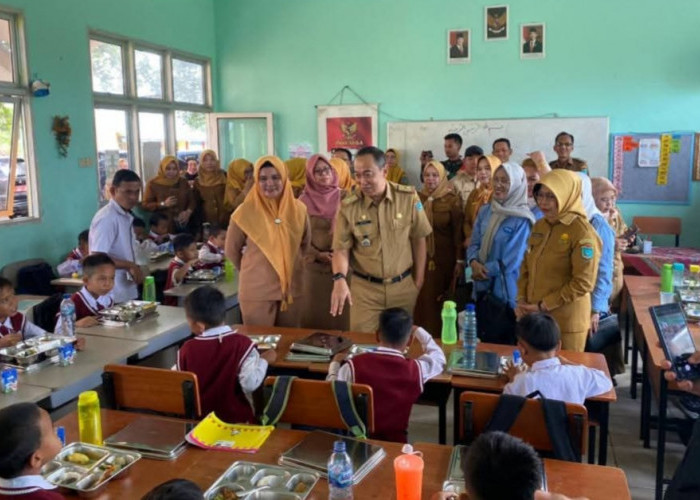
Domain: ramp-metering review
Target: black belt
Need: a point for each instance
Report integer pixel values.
(384, 281)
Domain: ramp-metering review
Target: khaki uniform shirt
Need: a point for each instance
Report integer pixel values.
(560, 269)
(574, 164)
(463, 184)
(378, 234)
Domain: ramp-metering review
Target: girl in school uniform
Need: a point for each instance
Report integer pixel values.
(169, 194)
(443, 208)
(297, 174)
(322, 199)
(273, 227)
(485, 167)
(345, 180)
(209, 189)
(394, 172)
(239, 177)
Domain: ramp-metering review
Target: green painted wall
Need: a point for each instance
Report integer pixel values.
(57, 42)
(632, 60)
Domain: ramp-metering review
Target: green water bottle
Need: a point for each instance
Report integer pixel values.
(449, 323)
(667, 278)
(149, 289)
(89, 418)
(228, 270)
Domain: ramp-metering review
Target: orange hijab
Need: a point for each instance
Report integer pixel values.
(345, 181)
(443, 188)
(207, 179)
(297, 171)
(161, 178)
(275, 226)
(395, 173)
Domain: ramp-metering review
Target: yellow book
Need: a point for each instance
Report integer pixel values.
(212, 433)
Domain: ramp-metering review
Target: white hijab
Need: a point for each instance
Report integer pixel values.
(515, 205)
(587, 196)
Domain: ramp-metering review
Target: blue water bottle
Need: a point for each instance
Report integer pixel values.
(339, 473)
(67, 316)
(469, 338)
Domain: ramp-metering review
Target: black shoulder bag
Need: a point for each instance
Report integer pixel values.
(495, 319)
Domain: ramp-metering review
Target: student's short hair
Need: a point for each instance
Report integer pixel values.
(473, 150)
(5, 283)
(19, 439)
(215, 231)
(529, 163)
(206, 304)
(138, 222)
(454, 137)
(564, 134)
(84, 236)
(539, 330)
(395, 325)
(175, 489)
(156, 217)
(125, 175)
(499, 465)
(343, 150)
(501, 139)
(376, 154)
(182, 241)
(95, 260)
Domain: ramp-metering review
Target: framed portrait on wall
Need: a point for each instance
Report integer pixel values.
(496, 23)
(458, 47)
(532, 41)
(349, 126)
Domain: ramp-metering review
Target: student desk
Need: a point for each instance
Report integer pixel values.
(71, 285)
(66, 382)
(228, 288)
(166, 328)
(205, 466)
(598, 406)
(25, 394)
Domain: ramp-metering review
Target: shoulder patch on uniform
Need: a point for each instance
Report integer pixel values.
(350, 199)
(419, 205)
(405, 189)
(587, 252)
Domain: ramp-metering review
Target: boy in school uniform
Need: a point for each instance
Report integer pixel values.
(227, 365)
(212, 252)
(539, 340)
(72, 262)
(140, 230)
(98, 280)
(159, 237)
(396, 381)
(184, 261)
(14, 326)
(27, 442)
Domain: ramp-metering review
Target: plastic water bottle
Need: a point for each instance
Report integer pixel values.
(469, 338)
(149, 289)
(694, 275)
(678, 274)
(449, 323)
(340, 473)
(228, 270)
(667, 278)
(89, 418)
(517, 358)
(408, 470)
(67, 316)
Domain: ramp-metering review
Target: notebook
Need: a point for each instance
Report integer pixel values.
(153, 437)
(321, 343)
(313, 452)
(212, 433)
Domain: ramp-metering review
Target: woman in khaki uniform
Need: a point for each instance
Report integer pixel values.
(209, 189)
(345, 180)
(266, 241)
(169, 194)
(443, 208)
(239, 180)
(560, 266)
(485, 168)
(297, 174)
(322, 199)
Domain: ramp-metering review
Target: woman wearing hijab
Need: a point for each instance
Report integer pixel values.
(273, 228)
(239, 180)
(560, 266)
(535, 167)
(297, 174)
(169, 194)
(394, 172)
(443, 208)
(322, 199)
(480, 196)
(209, 189)
(342, 170)
(499, 241)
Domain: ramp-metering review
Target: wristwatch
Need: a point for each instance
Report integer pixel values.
(338, 276)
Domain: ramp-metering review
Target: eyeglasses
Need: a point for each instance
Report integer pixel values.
(545, 197)
(322, 171)
(565, 144)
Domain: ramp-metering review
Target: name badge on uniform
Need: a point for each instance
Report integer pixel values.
(363, 222)
(365, 242)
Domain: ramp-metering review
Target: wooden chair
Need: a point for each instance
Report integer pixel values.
(477, 408)
(153, 390)
(659, 225)
(311, 403)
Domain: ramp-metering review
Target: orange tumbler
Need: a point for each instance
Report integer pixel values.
(408, 469)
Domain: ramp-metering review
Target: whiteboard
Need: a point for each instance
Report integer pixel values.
(525, 134)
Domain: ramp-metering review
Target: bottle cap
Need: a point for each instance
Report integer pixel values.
(516, 355)
(338, 446)
(667, 265)
(449, 304)
(88, 397)
(149, 279)
(694, 268)
(66, 295)
(407, 449)
(677, 266)
(470, 307)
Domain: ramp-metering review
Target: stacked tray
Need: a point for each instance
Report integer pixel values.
(690, 298)
(127, 313)
(265, 342)
(263, 482)
(203, 276)
(34, 350)
(454, 483)
(86, 468)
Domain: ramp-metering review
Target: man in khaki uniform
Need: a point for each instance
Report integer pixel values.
(464, 182)
(563, 146)
(380, 233)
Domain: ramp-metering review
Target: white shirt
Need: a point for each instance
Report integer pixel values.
(208, 256)
(570, 383)
(29, 331)
(431, 363)
(24, 485)
(111, 232)
(103, 300)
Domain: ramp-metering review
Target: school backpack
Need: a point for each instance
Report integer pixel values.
(35, 280)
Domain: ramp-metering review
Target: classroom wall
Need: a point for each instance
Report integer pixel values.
(631, 60)
(57, 45)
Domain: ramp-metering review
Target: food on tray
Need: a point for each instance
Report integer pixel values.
(78, 458)
(301, 487)
(267, 481)
(226, 494)
(69, 478)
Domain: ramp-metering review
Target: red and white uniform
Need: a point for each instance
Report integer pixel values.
(86, 305)
(171, 282)
(17, 323)
(227, 366)
(211, 255)
(28, 488)
(75, 254)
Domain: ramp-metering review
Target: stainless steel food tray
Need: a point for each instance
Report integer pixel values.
(282, 483)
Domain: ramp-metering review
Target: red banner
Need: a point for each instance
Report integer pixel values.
(349, 133)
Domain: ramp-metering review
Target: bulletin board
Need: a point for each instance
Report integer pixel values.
(652, 168)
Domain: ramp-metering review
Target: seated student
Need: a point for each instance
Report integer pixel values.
(184, 261)
(212, 252)
(72, 262)
(159, 236)
(139, 229)
(396, 381)
(227, 365)
(14, 326)
(175, 489)
(539, 340)
(98, 281)
(27, 442)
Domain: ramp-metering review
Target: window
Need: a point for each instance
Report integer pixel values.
(18, 193)
(149, 101)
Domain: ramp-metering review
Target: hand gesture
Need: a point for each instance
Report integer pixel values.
(685, 385)
(270, 356)
(10, 339)
(87, 322)
(170, 201)
(341, 293)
